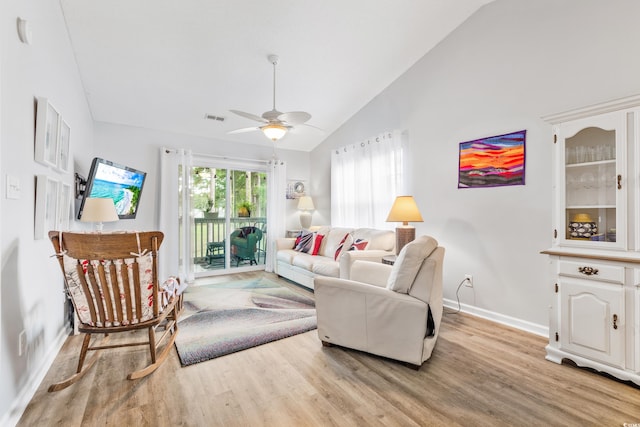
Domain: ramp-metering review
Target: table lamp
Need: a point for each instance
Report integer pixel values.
(305, 205)
(99, 210)
(404, 210)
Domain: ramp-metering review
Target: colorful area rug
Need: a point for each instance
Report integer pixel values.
(224, 318)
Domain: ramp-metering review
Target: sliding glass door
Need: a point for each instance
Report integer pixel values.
(229, 207)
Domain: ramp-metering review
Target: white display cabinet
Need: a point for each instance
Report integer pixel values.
(595, 255)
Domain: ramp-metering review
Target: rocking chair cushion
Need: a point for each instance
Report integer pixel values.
(79, 297)
(112, 279)
(76, 293)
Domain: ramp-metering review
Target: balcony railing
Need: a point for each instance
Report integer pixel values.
(214, 230)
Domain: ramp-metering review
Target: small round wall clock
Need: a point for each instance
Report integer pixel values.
(298, 188)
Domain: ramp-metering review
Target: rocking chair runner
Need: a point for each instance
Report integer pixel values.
(112, 280)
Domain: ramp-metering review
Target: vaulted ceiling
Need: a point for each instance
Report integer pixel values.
(165, 65)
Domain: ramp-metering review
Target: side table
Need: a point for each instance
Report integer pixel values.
(292, 233)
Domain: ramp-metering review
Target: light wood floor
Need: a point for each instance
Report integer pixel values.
(480, 374)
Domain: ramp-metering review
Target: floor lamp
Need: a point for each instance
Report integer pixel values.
(404, 210)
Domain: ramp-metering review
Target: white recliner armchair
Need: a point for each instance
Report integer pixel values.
(391, 311)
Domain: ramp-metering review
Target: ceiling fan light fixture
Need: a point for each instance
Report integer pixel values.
(274, 131)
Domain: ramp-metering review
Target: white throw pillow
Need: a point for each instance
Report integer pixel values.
(408, 263)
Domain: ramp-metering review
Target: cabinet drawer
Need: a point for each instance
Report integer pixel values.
(592, 271)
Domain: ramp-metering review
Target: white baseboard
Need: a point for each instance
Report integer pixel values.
(499, 318)
(26, 394)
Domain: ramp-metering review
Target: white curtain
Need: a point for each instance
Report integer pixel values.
(276, 208)
(365, 179)
(175, 214)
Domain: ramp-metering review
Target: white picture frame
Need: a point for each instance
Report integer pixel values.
(65, 208)
(46, 206)
(47, 129)
(64, 134)
(296, 188)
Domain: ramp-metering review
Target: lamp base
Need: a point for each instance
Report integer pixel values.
(305, 219)
(404, 235)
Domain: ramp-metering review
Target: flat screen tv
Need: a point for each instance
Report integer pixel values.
(120, 183)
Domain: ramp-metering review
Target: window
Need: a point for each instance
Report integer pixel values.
(365, 179)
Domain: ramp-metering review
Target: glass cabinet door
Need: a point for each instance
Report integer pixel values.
(593, 181)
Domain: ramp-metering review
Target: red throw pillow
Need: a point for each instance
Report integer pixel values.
(317, 243)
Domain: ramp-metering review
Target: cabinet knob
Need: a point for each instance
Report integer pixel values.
(619, 182)
(615, 321)
(588, 271)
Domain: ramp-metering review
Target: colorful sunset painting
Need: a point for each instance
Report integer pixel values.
(493, 161)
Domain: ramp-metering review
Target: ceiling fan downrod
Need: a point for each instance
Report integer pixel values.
(274, 60)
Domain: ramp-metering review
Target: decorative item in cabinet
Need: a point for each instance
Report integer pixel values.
(582, 227)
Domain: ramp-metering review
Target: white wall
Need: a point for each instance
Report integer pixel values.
(509, 64)
(31, 291)
(140, 148)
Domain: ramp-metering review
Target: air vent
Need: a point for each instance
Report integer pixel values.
(214, 117)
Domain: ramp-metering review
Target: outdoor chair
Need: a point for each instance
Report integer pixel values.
(215, 252)
(244, 244)
(112, 281)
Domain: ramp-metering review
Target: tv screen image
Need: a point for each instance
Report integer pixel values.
(120, 183)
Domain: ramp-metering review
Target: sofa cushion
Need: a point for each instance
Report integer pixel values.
(378, 239)
(245, 231)
(286, 255)
(326, 267)
(303, 260)
(332, 240)
(408, 263)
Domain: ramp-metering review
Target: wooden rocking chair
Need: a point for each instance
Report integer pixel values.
(112, 280)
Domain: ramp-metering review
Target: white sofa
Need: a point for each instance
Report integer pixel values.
(303, 267)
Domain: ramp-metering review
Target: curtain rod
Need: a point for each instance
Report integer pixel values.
(213, 156)
(367, 141)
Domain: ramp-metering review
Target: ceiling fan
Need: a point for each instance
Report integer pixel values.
(275, 123)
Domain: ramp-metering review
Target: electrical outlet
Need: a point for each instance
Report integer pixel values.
(22, 343)
(468, 280)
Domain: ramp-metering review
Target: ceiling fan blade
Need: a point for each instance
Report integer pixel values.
(249, 116)
(312, 126)
(243, 130)
(294, 117)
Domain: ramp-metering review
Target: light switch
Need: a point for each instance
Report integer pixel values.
(13, 187)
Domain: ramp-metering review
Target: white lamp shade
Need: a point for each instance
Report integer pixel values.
(98, 209)
(305, 203)
(404, 210)
(274, 131)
